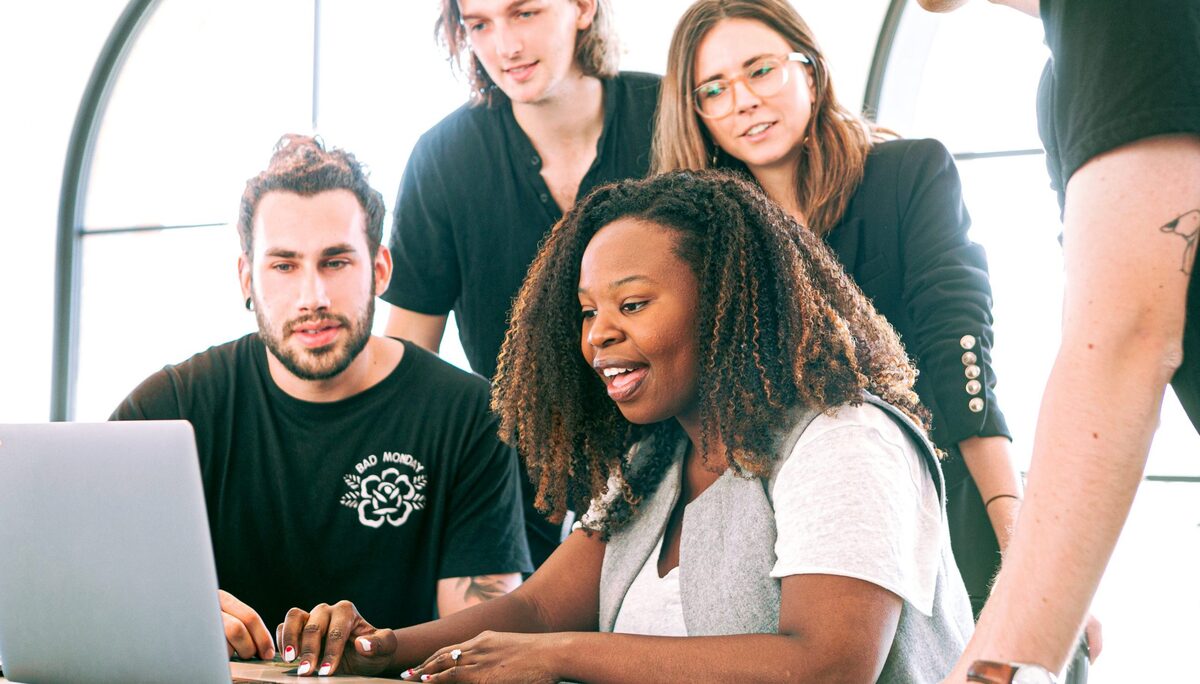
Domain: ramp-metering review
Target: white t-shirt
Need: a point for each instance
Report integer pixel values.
(653, 604)
(854, 499)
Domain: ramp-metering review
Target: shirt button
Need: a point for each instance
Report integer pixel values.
(969, 358)
(971, 372)
(974, 387)
(544, 198)
(976, 405)
(967, 342)
(534, 161)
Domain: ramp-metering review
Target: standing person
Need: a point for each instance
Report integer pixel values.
(743, 423)
(1119, 115)
(336, 462)
(747, 87)
(549, 119)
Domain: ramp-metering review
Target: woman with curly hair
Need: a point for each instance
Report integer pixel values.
(747, 88)
(699, 372)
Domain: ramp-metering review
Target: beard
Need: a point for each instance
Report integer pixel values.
(319, 363)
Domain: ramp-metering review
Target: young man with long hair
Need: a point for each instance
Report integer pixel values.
(549, 118)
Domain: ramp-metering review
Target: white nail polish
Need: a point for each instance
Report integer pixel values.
(407, 674)
(325, 669)
(289, 654)
(304, 668)
(426, 678)
(365, 643)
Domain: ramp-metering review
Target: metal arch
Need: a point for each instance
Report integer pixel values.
(70, 204)
(883, 53)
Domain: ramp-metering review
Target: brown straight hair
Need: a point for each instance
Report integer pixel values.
(595, 49)
(835, 149)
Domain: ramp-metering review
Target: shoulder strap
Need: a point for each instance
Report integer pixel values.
(801, 420)
(924, 446)
(920, 439)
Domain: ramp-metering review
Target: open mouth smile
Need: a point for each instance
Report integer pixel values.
(623, 381)
(521, 72)
(757, 129)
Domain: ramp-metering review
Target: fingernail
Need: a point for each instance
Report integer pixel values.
(407, 674)
(304, 668)
(325, 669)
(426, 678)
(365, 643)
(289, 654)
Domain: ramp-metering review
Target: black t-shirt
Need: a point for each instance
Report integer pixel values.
(473, 208)
(1121, 71)
(372, 498)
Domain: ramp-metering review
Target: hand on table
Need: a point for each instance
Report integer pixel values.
(317, 639)
(246, 634)
(491, 658)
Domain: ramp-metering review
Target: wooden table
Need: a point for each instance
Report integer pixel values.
(260, 671)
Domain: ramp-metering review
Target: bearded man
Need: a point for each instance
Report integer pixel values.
(337, 463)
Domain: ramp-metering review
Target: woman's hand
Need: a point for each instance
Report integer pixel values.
(318, 640)
(492, 658)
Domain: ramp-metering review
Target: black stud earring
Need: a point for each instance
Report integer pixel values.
(249, 304)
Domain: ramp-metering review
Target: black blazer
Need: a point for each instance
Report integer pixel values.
(904, 240)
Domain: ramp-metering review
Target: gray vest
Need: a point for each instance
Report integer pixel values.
(727, 551)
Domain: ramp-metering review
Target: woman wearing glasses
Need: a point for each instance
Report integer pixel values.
(747, 88)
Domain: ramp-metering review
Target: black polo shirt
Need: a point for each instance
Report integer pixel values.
(473, 208)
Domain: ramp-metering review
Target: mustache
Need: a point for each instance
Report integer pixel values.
(291, 325)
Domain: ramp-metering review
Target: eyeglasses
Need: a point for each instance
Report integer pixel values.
(764, 77)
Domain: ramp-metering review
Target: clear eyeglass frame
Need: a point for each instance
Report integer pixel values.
(765, 88)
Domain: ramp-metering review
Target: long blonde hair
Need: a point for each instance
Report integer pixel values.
(835, 150)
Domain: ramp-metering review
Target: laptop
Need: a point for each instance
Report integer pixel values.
(106, 564)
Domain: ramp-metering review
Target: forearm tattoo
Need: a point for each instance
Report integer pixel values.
(482, 587)
(1186, 226)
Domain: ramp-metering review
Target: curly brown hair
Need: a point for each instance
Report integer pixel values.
(301, 164)
(780, 328)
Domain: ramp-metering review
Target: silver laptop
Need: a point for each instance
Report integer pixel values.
(106, 565)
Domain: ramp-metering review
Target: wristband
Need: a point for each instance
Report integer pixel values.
(1000, 496)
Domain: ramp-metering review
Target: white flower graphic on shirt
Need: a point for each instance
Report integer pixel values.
(390, 496)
